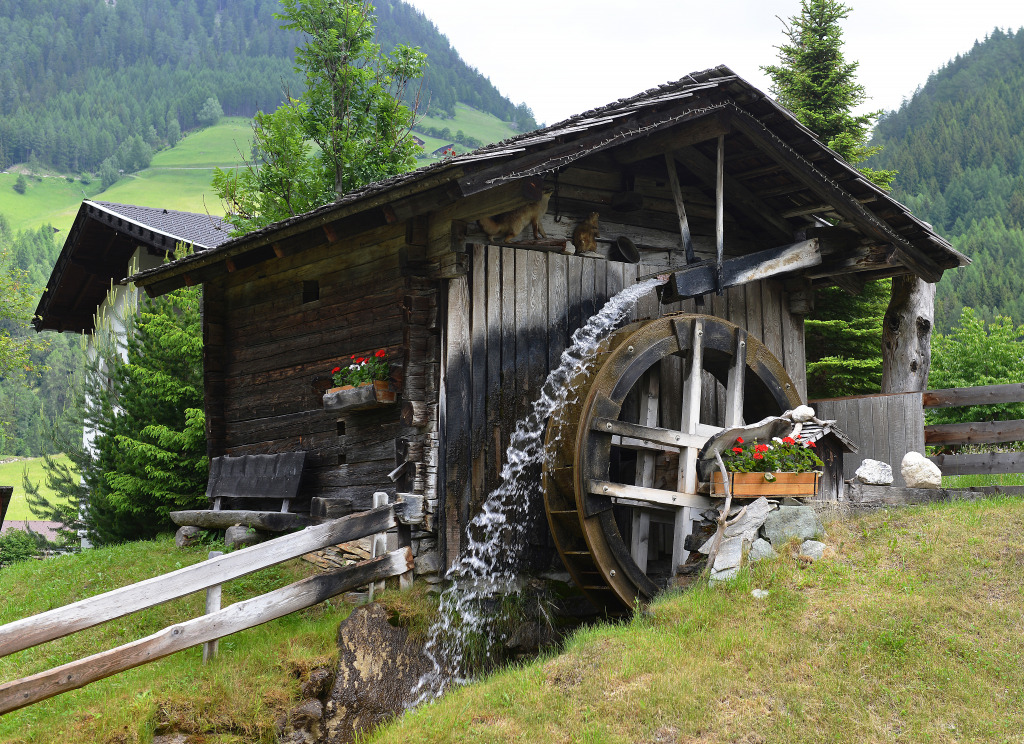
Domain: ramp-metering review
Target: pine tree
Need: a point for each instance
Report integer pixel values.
(815, 82)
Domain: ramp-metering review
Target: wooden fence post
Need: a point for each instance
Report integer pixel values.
(212, 605)
(378, 544)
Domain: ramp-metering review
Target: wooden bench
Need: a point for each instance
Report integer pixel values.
(265, 484)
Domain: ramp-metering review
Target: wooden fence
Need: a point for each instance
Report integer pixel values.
(886, 427)
(102, 608)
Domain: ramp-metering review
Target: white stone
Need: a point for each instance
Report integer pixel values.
(728, 559)
(746, 526)
(920, 472)
(801, 414)
(812, 549)
(761, 549)
(874, 472)
(759, 593)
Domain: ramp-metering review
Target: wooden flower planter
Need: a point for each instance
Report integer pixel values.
(770, 485)
(360, 398)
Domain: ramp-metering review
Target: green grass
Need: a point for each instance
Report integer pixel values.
(11, 474)
(178, 178)
(909, 632)
(485, 127)
(235, 699)
(973, 481)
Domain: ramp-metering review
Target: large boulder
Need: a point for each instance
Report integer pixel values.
(378, 665)
(789, 522)
(188, 536)
(728, 558)
(920, 472)
(874, 472)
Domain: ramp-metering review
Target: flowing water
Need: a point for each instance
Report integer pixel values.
(486, 572)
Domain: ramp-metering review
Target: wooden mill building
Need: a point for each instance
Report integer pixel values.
(707, 166)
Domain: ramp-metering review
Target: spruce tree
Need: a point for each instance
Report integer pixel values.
(815, 82)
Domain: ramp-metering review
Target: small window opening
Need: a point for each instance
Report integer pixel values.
(310, 291)
(341, 458)
(341, 428)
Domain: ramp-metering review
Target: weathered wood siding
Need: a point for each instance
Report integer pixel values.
(884, 427)
(508, 321)
(289, 322)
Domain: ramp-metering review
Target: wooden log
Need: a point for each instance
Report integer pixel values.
(700, 279)
(907, 335)
(677, 196)
(981, 464)
(270, 521)
(86, 613)
(981, 395)
(237, 617)
(648, 495)
(977, 432)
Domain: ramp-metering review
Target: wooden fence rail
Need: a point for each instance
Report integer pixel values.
(87, 613)
(976, 432)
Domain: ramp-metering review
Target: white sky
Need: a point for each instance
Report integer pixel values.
(563, 57)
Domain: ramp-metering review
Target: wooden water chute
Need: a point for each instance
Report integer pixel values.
(603, 492)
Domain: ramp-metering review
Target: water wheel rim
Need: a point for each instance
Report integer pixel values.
(629, 354)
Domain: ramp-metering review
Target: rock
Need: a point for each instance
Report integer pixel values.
(186, 537)
(240, 536)
(747, 525)
(802, 414)
(318, 683)
(789, 522)
(728, 559)
(874, 472)
(378, 665)
(920, 472)
(427, 563)
(812, 549)
(759, 593)
(761, 549)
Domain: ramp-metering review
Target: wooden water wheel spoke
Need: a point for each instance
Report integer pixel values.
(616, 466)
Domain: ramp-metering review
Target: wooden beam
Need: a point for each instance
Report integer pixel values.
(237, 617)
(57, 623)
(272, 521)
(706, 128)
(742, 200)
(845, 204)
(648, 495)
(700, 279)
(981, 395)
(720, 216)
(651, 434)
(983, 464)
(975, 432)
(677, 196)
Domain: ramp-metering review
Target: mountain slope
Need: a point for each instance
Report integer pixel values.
(958, 144)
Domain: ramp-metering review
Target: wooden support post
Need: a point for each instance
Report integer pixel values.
(646, 462)
(737, 374)
(686, 480)
(720, 216)
(684, 224)
(379, 544)
(212, 606)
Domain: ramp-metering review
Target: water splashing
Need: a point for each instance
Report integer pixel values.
(487, 569)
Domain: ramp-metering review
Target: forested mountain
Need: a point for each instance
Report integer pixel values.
(78, 78)
(958, 144)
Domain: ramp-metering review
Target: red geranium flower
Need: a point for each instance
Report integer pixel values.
(739, 440)
(758, 456)
(381, 353)
(812, 444)
(336, 370)
(789, 440)
(738, 450)
(353, 356)
(761, 448)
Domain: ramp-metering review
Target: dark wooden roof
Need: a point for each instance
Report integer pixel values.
(97, 252)
(781, 181)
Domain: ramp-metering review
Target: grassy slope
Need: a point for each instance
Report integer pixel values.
(179, 178)
(911, 632)
(11, 475)
(235, 699)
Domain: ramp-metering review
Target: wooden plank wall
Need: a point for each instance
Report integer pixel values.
(508, 322)
(884, 427)
(278, 347)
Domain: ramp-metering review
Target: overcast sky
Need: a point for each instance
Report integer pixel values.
(563, 57)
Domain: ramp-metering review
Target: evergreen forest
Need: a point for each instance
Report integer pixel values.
(958, 144)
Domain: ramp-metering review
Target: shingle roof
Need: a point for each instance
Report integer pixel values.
(700, 94)
(99, 247)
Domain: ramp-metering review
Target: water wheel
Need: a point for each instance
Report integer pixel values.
(620, 488)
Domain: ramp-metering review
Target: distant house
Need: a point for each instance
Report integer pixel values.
(419, 141)
(444, 151)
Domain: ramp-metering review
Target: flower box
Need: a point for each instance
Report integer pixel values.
(770, 485)
(360, 398)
